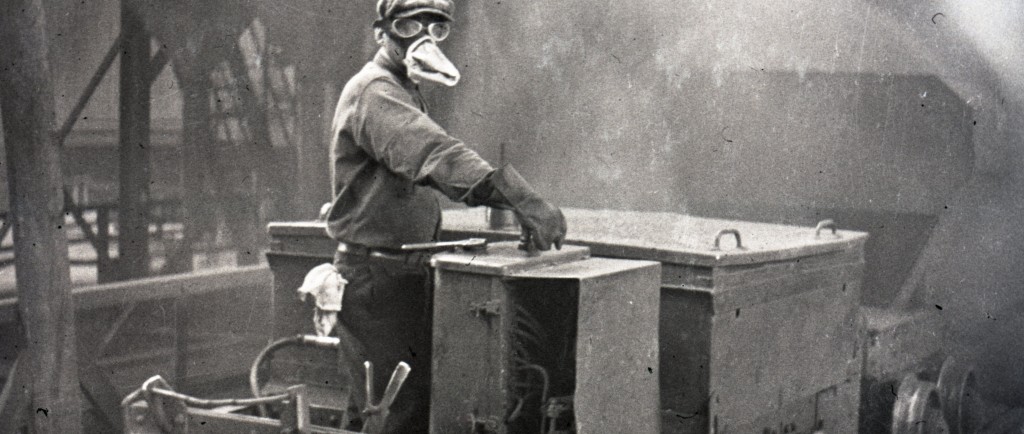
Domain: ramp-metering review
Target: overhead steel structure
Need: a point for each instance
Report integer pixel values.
(233, 113)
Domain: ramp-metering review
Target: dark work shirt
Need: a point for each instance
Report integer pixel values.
(387, 153)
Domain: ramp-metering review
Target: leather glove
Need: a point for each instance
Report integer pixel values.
(543, 223)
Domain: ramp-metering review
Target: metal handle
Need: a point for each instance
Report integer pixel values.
(825, 224)
(733, 232)
(377, 414)
(328, 342)
(398, 378)
(440, 246)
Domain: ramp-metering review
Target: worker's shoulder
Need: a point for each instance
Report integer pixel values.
(372, 78)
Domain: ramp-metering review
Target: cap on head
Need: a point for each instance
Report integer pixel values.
(392, 9)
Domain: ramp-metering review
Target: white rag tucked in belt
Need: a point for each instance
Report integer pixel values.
(327, 286)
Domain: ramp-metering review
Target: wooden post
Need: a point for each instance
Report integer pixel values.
(37, 203)
(134, 173)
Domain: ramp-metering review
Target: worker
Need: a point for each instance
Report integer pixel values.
(387, 155)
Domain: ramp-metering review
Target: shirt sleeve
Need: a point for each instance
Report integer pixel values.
(399, 135)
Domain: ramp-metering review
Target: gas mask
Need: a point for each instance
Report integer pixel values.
(424, 61)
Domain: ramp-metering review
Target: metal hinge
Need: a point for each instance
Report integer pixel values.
(483, 425)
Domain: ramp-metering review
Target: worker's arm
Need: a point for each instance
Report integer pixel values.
(412, 145)
(542, 221)
(403, 138)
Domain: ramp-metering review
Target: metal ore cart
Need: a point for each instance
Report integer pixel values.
(759, 327)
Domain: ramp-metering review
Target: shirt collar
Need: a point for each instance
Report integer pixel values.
(397, 68)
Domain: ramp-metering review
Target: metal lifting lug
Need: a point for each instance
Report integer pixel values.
(487, 308)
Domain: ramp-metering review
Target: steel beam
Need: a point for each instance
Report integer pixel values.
(90, 88)
(41, 252)
(134, 171)
(157, 64)
(195, 140)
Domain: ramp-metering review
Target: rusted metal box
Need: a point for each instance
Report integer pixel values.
(528, 343)
(295, 248)
(758, 326)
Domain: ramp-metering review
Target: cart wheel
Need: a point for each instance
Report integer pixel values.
(959, 397)
(917, 409)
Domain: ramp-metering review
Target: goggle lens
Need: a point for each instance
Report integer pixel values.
(439, 31)
(407, 28)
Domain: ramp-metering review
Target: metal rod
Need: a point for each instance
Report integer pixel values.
(181, 317)
(115, 327)
(199, 402)
(90, 88)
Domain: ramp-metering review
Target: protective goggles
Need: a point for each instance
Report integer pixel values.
(408, 27)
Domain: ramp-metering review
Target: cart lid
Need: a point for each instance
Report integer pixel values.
(677, 238)
(301, 228)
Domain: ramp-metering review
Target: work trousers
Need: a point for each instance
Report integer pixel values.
(387, 307)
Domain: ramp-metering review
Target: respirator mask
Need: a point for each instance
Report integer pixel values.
(424, 60)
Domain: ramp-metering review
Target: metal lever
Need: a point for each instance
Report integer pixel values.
(441, 246)
(377, 414)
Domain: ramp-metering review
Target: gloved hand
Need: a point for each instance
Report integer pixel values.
(543, 223)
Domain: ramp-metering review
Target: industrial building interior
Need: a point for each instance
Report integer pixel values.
(192, 137)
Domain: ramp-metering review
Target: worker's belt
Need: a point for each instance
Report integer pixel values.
(358, 253)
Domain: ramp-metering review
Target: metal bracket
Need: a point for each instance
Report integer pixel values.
(295, 412)
(487, 308)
